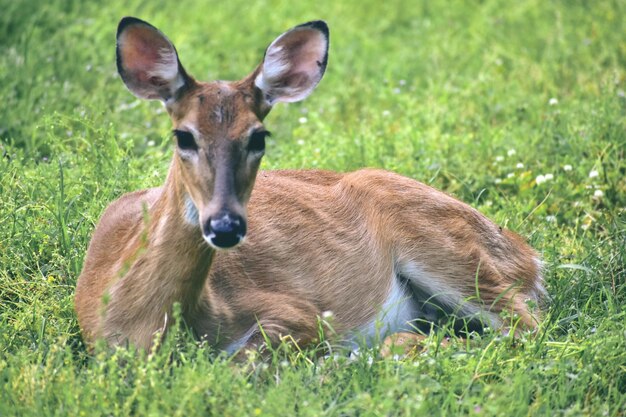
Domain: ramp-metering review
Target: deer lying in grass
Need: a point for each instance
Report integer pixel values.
(371, 246)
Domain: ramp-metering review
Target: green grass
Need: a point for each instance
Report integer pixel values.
(452, 93)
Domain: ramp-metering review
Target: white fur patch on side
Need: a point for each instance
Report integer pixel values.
(445, 294)
(394, 316)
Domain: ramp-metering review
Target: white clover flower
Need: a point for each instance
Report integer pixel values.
(303, 120)
(386, 113)
(150, 143)
(497, 180)
(549, 177)
(567, 167)
(402, 82)
(511, 152)
(327, 314)
(551, 219)
(510, 175)
(593, 173)
(598, 194)
(300, 142)
(519, 165)
(499, 158)
(540, 179)
(553, 101)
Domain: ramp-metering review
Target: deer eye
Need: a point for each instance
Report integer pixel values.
(185, 141)
(256, 143)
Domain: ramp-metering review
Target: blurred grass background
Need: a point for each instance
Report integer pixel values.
(517, 108)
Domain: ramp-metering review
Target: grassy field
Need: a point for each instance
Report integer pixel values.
(517, 108)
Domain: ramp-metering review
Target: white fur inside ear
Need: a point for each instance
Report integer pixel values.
(274, 66)
(167, 69)
(293, 65)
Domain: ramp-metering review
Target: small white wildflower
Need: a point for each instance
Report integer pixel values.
(327, 314)
(540, 179)
(402, 82)
(549, 177)
(499, 158)
(567, 167)
(519, 165)
(396, 90)
(510, 175)
(300, 142)
(303, 120)
(386, 113)
(150, 143)
(593, 174)
(284, 364)
(511, 152)
(497, 180)
(598, 194)
(551, 219)
(553, 101)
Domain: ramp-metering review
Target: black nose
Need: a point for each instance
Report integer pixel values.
(225, 231)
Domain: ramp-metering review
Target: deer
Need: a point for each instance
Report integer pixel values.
(253, 257)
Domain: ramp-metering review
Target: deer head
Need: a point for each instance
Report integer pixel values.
(218, 126)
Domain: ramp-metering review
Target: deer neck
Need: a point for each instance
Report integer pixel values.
(180, 257)
(170, 265)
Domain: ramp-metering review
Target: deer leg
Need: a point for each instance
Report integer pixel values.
(278, 318)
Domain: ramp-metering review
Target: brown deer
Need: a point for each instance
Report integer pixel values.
(383, 252)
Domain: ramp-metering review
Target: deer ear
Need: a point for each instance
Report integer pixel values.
(147, 61)
(294, 63)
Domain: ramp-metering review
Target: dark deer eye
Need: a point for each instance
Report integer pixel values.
(256, 143)
(185, 141)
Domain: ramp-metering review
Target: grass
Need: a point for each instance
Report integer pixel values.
(516, 108)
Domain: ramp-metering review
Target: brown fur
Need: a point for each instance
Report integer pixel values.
(316, 241)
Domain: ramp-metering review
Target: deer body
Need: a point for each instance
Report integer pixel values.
(370, 246)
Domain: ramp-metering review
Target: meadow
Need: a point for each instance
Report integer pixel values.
(517, 108)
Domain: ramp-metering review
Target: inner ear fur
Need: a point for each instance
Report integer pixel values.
(148, 62)
(294, 63)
